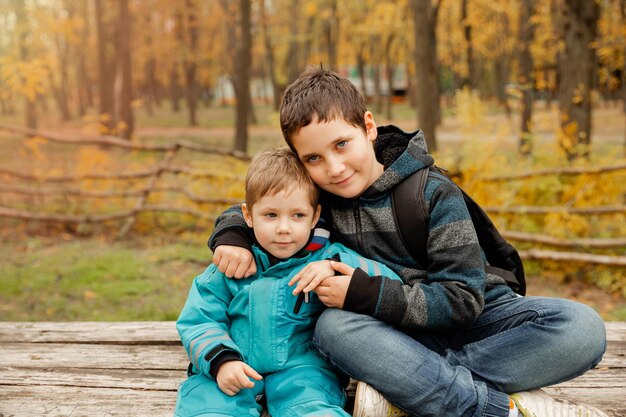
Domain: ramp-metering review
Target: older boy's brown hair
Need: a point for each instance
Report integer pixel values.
(322, 94)
(273, 171)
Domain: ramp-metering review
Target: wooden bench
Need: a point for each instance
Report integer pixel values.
(131, 369)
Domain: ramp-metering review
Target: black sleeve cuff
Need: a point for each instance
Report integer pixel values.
(232, 237)
(362, 295)
(336, 258)
(222, 358)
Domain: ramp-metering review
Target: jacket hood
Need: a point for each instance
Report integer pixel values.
(401, 153)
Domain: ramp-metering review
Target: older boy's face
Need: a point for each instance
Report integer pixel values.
(339, 157)
(282, 222)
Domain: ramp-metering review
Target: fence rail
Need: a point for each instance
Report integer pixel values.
(122, 143)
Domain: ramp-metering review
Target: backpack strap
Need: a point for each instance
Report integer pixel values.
(411, 215)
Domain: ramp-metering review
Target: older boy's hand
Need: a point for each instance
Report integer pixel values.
(234, 261)
(311, 275)
(332, 290)
(232, 377)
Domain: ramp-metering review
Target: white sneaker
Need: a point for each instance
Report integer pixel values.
(370, 403)
(538, 403)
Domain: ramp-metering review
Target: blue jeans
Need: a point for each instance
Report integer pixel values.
(516, 344)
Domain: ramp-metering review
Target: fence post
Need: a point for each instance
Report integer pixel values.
(141, 201)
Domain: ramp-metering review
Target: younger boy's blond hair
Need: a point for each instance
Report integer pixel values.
(273, 171)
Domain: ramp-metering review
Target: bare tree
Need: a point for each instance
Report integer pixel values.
(242, 79)
(331, 31)
(576, 69)
(123, 81)
(622, 5)
(269, 56)
(526, 34)
(83, 82)
(470, 81)
(502, 65)
(291, 61)
(389, 69)
(149, 87)
(190, 63)
(105, 75)
(23, 33)
(425, 19)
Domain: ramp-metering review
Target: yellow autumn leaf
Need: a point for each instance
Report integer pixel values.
(89, 295)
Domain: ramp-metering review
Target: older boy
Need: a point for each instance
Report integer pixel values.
(450, 340)
(256, 328)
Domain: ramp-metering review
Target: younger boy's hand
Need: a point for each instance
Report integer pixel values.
(332, 290)
(234, 261)
(232, 377)
(311, 275)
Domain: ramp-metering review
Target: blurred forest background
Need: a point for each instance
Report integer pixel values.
(126, 126)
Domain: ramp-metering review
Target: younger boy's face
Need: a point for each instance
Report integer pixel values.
(282, 222)
(339, 157)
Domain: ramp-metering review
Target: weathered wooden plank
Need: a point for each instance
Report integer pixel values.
(133, 369)
(157, 357)
(141, 332)
(598, 378)
(59, 355)
(146, 380)
(168, 357)
(611, 400)
(50, 401)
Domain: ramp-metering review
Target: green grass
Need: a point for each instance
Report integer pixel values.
(93, 279)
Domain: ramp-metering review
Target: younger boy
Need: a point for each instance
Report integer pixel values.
(450, 339)
(251, 337)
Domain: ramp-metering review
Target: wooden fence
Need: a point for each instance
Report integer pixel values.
(37, 186)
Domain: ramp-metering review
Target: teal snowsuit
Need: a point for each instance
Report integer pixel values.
(255, 318)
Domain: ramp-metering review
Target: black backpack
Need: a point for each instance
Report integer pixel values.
(503, 259)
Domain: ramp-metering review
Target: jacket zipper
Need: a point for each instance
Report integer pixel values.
(357, 219)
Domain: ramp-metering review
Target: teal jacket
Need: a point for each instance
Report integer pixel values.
(254, 317)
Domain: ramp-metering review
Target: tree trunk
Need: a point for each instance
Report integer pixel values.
(580, 22)
(389, 69)
(433, 42)
(331, 26)
(426, 69)
(60, 90)
(269, 56)
(623, 11)
(149, 92)
(526, 35)
(123, 81)
(360, 63)
(292, 61)
(174, 88)
(190, 62)
(375, 53)
(470, 81)
(411, 88)
(105, 79)
(251, 113)
(503, 63)
(305, 53)
(83, 83)
(242, 76)
(24, 29)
